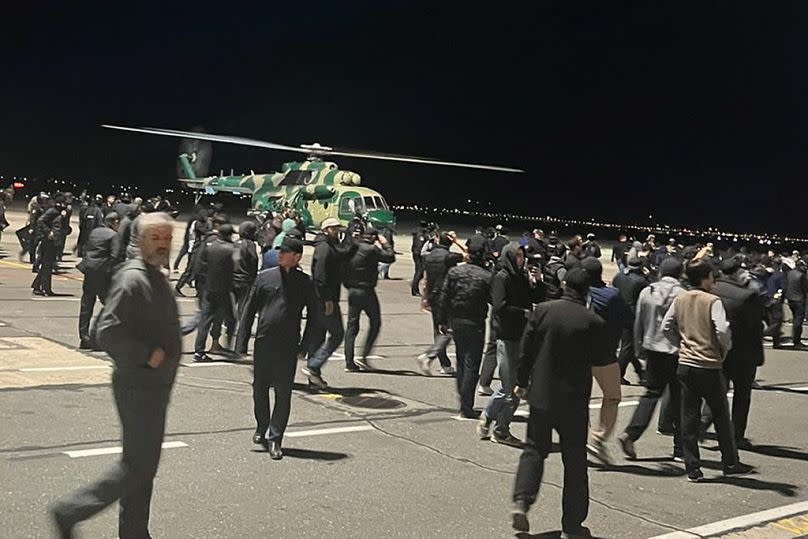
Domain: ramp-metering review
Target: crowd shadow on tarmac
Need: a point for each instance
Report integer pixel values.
(308, 454)
(547, 535)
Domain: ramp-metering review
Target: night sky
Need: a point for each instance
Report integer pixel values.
(695, 112)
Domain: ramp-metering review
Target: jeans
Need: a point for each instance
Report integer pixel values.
(440, 344)
(95, 285)
(707, 384)
(798, 313)
(662, 374)
(490, 355)
(627, 353)
(419, 273)
(45, 261)
(469, 338)
(570, 421)
(503, 403)
(742, 375)
(362, 300)
(274, 363)
(774, 322)
(336, 332)
(608, 378)
(143, 415)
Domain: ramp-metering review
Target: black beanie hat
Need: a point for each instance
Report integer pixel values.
(671, 267)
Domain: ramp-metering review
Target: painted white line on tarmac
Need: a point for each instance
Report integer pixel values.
(318, 432)
(212, 364)
(114, 450)
(738, 523)
(57, 369)
(55, 299)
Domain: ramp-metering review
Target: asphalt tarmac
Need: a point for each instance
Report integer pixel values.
(376, 455)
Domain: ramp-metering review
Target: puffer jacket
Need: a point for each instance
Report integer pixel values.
(465, 295)
(652, 305)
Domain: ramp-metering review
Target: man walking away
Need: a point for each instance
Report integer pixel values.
(630, 285)
(606, 302)
(217, 302)
(419, 237)
(661, 357)
(89, 219)
(696, 323)
(796, 292)
(437, 264)
(512, 298)
(361, 276)
(246, 257)
(775, 286)
(619, 253)
(48, 230)
(97, 269)
(327, 267)
(745, 311)
(280, 294)
(561, 343)
(591, 247)
(139, 329)
(462, 304)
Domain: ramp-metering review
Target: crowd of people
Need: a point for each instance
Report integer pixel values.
(688, 318)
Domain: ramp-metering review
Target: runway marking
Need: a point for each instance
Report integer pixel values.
(745, 522)
(17, 265)
(55, 369)
(318, 432)
(113, 450)
(212, 364)
(55, 299)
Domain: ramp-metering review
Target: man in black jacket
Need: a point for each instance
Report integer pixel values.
(246, 271)
(97, 269)
(561, 343)
(630, 285)
(90, 218)
(139, 329)
(217, 303)
(327, 267)
(796, 293)
(361, 276)
(462, 304)
(512, 298)
(745, 312)
(280, 294)
(48, 231)
(419, 237)
(437, 264)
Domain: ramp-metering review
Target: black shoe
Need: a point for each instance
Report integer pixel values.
(50, 293)
(581, 532)
(739, 468)
(352, 368)
(519, 520)
(696, 476)
(744, 444)
(202, 358)
(86, 345)
(416, 294)
(260, 439)
(624, 382)
(178, 292)
(275, 452)
(38, 292)
(64, 529)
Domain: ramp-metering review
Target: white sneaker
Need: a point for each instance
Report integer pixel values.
(485, 391)
(424, 363)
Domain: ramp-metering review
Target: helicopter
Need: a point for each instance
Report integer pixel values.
(317, 189)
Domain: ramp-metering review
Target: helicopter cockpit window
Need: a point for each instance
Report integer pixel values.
(380, 203)
(370, 203)
(358, 205)
(297, 177)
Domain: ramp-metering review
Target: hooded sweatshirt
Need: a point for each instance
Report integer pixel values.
(653, 303)
(511, 296)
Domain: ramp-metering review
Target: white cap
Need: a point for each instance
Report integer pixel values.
(329, 222)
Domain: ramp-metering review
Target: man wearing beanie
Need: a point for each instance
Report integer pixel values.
(745, 311)
(660, 355)
(696, 323)
(606, 302)
(279, 296)
(561, 343)
(630, 285)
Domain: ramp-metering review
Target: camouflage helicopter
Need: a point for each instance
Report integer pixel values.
(315, 188)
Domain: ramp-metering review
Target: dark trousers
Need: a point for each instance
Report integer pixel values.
(183, 252)
(489, 356)
(362, 300)
(217, 307)
(322, 350)
(419, 272)
(95, 285)
(469, 340)
(774, 322)
(666, 412)
(32, 253)
(440, 342)
(572, 424)
(143, 415)
(627, 353)
(742, 375)
(46, 261)
(798, 315)
(661, 371)
(274, 366)
(707, 384)
(241, 292)
(187, 275)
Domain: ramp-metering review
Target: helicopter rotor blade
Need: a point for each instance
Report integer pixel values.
(412, 159)
(207, 136)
